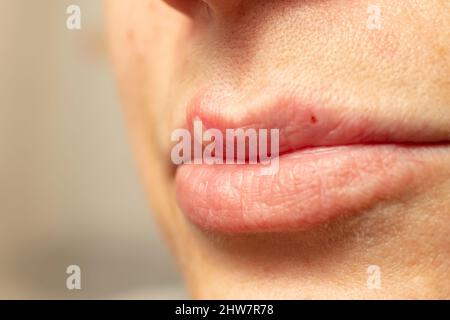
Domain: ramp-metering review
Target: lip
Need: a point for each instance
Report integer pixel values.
(331, 164)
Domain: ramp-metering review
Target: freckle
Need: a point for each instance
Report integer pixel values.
(313, 119)
(130, 36)
(442, 53)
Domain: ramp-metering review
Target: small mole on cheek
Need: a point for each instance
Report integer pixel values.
(313, 119)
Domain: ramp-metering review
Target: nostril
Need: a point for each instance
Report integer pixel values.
(184, 6)
(193, 7)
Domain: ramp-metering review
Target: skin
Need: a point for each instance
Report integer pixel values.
(163, 55)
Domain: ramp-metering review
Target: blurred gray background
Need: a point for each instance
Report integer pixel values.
(69, 190)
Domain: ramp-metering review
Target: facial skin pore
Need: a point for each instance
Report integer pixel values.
(165, 55)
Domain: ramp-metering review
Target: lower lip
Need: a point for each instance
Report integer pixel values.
(311, 187)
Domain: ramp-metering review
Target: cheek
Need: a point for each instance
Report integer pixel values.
(385, 45)
(141, 30)
(143, 36)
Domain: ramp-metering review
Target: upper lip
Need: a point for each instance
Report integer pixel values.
(308, 124)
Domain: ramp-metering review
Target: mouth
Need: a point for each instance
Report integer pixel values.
(330, 164)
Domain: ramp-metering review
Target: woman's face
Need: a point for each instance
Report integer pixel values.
(358, 205)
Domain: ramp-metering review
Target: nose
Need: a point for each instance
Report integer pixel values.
(189, 7)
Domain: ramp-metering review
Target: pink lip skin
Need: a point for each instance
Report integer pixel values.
(330, 165)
